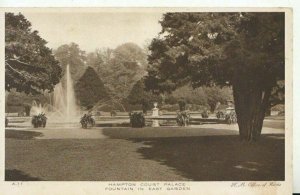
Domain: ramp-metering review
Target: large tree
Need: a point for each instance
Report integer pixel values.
(72, 55)
(245, 50)
(30, 66)
(90, 89)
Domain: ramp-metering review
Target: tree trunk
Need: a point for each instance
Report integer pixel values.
(251, 103)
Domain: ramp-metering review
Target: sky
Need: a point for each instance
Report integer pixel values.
(95, 30)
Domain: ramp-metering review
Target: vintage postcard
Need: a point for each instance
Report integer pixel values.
(146, 100)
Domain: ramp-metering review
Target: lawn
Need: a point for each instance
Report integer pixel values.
(198, 158)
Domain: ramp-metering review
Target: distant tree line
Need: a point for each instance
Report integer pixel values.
(207, 97)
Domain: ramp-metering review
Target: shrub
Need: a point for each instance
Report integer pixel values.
(231, 118)
(204, 114)
(182, 105)
(137, 119)
(220, 114)
(183, 118)
(39, 120)
(87, 120)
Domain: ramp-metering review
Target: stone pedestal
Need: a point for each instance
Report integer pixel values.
(155, 123)
(155, 114)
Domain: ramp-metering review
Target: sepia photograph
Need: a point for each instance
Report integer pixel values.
(145, 96)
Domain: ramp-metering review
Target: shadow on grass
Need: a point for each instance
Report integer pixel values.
(219, 158)
(17, 134)
(16, 175)
(152, 132)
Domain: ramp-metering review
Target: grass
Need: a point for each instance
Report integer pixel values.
(82, 160)
(220, 158)
(274, 124)
(198, 158)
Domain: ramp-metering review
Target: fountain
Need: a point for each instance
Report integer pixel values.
(62, 108)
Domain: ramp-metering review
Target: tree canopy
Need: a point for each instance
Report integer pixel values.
(210, 48)
(76, 58)
(29, 64)
(90, 89)
(245, 50)
(119, 68)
